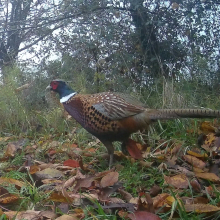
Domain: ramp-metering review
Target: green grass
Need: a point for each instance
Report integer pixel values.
(30, 195)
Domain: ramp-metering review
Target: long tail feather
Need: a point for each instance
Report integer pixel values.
(181, 113)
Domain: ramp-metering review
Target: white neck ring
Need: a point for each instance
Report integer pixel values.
(67, 97)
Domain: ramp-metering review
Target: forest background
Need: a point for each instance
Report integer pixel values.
(166, 53)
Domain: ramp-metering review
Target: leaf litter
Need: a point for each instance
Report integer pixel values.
(70, 184)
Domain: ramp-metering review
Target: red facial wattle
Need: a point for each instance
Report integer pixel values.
(54, 85)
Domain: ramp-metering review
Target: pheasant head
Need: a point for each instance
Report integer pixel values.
(62, 88)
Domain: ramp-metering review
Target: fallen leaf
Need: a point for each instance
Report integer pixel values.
(33, 169)
(48, 214)
(6, 197)
(201, 208)
(110, 179)
(197, 200)
(210, 138)
(125, 195)
(104, 193)
(49, 173)
(83, 183)
(194, 161)
(206, 127)
(145, 164)
(30, 215)
(69, 182)
(142, 215)
(195, 185)
(4, 139)
(161, 200)
(71, 163)
(210, 190)
(208, 176)
(198, 155)
(27, 215)
(145, 205)
(58, 197)
(198, 170)
(155, 190)
(6, 181)
(11, 149)
(133, 149)
(66, 217)
(179, 181)
(52, 182)
(64, 207)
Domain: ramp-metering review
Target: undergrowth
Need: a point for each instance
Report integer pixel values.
(19, 117)
(31, 111)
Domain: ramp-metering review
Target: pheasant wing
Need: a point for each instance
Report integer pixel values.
(116, 106)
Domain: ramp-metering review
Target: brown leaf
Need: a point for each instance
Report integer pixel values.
(27, 215)
(66, 217)
(49, 173)
(194, 161)
(115, 200)
(208, 176)
(206, 127)
(214, 168)
(58, 197)
(64, 207)
(71, 163)
(110, 179)
(210, 138)
(123, 214)
(197, 200)
(69, 182)
(48, 214)
(141, 215)
(83, 183)
(6, 181)
(81, 165)
(163, 200)
(4, 139)
(145, 205)
(201, 208)
(198, 170)
(6, 197)
(133, 149)
(177, 148)
(195, 185)
(145, 164)
(210, 190)
(155, 190)
(125, 195)
(11, 149)
(104, 193)
(179, 181)
(52, 182)
(30, 215)
(33, 169)
(198, 155)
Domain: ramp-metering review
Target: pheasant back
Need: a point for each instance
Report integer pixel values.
(105, 115)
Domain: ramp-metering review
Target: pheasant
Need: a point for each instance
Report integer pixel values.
(114, 116)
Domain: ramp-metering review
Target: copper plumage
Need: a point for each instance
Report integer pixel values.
(114, 116)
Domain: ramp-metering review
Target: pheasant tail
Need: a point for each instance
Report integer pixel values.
(181, 113)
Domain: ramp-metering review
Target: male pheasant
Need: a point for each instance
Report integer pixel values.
(115, 116)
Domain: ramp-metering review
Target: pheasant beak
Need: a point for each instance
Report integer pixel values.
(49, 87)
